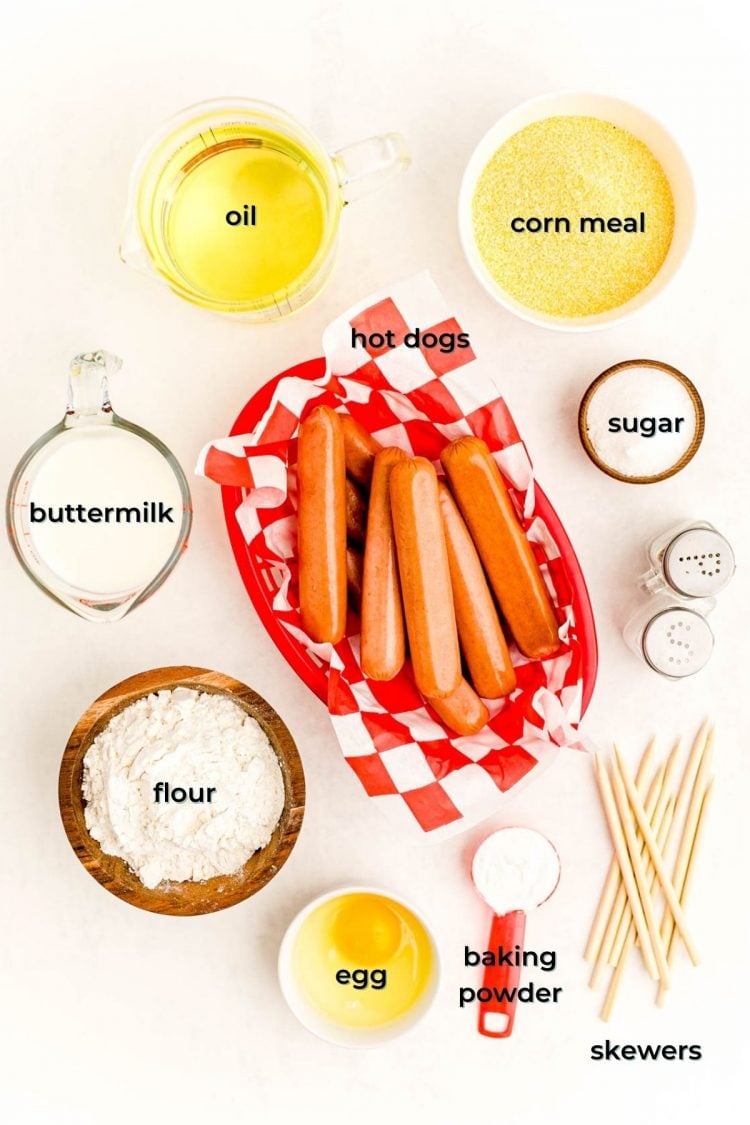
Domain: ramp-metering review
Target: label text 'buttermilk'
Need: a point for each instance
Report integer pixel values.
(150, 511)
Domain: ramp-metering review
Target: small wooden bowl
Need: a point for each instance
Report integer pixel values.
(692, 449)
(189, 897)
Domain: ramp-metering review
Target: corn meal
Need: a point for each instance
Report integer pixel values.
(573, 168)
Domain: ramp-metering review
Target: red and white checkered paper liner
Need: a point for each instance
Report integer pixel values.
(418, 399)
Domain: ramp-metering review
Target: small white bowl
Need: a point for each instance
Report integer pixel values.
(627, 116)
(327, 1029)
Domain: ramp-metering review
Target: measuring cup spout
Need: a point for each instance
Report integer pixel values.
(132, 254)
(88, 386)
(131, 249)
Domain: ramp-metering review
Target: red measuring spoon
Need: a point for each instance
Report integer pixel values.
(514, 870)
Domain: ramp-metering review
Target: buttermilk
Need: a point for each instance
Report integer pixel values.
(150, 511)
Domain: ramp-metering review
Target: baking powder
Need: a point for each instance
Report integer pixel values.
(187, 739)
(515, 869)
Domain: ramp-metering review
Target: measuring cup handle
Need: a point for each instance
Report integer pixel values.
(366, 165)
(496, 1016)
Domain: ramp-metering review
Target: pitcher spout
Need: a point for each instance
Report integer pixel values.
(88, 385)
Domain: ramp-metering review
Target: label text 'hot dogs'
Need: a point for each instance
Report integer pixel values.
(445, 342)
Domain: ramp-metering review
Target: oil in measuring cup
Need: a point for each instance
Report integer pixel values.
(98, 509)
(236, 209)
(236, 206)
(246, 216)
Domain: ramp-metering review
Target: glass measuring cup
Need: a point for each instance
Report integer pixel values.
(236, 206)
(98, 509)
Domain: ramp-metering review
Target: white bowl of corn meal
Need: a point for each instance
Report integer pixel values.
(575, 210)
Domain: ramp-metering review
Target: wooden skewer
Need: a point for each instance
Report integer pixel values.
(702, 748)
(621, 918)
(623, 859)
(612, 882)
(663, 829)
(658, 860)
(639, 871)
(621, 899)
(691, 769)
(699, 829)
(694, 799)
(655, 819)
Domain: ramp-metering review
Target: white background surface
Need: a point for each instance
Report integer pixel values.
(113, 1015)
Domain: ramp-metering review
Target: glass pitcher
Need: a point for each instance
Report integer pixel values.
(236, 206)
(98, 509)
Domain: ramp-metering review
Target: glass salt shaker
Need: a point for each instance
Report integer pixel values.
(691, 560)
(675, 640)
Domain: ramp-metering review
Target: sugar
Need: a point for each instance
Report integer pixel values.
(572, 167)
(651, 396)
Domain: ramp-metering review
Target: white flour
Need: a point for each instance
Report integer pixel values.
(515, 869)
(183, 738)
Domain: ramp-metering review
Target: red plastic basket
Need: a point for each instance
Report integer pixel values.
(262, 579)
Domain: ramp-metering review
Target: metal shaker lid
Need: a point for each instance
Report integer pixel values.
(698, 563)
(677, 642)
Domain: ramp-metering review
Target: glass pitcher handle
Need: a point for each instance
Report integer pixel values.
(88, 388)
(366, 165)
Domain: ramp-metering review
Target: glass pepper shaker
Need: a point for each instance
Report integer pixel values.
(691, 560)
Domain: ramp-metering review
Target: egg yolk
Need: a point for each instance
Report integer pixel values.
(362, 960)
(367, 931)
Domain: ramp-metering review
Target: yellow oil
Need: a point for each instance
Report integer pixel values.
(273, 186)
(383, 948)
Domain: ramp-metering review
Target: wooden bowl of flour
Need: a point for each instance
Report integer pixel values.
(184, 898)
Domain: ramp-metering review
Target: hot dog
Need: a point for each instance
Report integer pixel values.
(503, 547)
(479, 631)
(463, 711)
(382, 645)
(321, 519)
(356, 513)
(360, 449)
(354, 563)
(425, 577)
